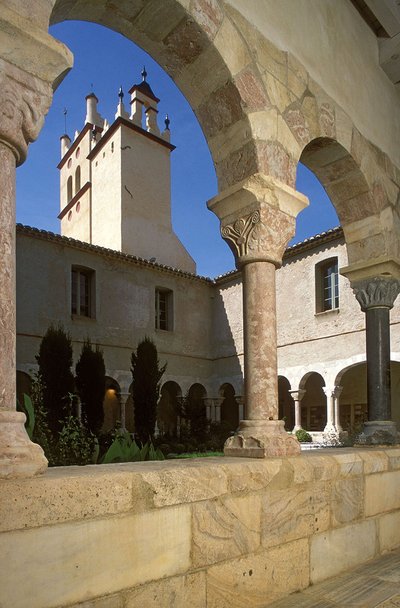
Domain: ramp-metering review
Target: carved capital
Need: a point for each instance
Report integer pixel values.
(258, 218)
(298, 394)
(238, 234)
(377, 292)
(24, 102)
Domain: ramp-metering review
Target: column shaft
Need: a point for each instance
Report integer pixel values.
(378, 363)
(260, 341)
(7, 279)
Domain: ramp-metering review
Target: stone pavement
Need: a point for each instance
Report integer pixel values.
(373, 585)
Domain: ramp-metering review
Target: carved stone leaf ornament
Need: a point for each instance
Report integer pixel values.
(376, 292)
(239, 232)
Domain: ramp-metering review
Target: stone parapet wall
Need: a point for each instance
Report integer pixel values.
(206, 533)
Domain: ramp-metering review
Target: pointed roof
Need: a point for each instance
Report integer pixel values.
(144, 87)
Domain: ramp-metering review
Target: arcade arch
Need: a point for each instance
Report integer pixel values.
(243, 118)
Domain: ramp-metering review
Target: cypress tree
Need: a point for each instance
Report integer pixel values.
(146, 376)
(90, 384)
(55, 361)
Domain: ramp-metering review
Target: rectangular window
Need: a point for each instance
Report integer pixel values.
(163, 309)
(327, 285)
(82, 292)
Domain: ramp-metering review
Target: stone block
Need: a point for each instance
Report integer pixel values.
(185, 484)
(220, 110)
(208, 15)
(259, 579)
(64, 494)
(223, 529)
(254, 97)
(278, 93)
(67, 563)
(347, 500)
(375, 461)
(335, 551)
(232, 47)
(175, 592)
(382, 492)
(109, 601)
(393, 454)
(389, 531)
(248, 476)
(295, 512)
(350, 464)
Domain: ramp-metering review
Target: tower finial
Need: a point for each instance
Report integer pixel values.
(144, 73)
(121, 93)
(167, 122)
(65, 119)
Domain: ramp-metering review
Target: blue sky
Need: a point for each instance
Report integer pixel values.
(105, 60)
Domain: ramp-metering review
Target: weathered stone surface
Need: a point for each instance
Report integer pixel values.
(257, 580)
(278, 93)
(276, 161)
(226, 528)
(85, 493)
(254, 97)
(232, 47)
(185, 43)
(220, 110)
(200, 481)
(175, 592)
(253, 475)
(350, 464)
(208, 15)
(389, 531)
(382, 492)
(295, 512)
(109, 601)
(347, 500)
(73, 557)
(346, 547)
(394, 458)
(375, 462)
(237, 165)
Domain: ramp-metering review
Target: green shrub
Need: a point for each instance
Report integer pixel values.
(90, 384)
(125, 449)
(303, 436)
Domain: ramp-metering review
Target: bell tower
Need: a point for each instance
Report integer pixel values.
(115, 181)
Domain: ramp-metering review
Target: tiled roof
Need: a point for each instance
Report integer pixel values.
(306, 245)
(108, 253)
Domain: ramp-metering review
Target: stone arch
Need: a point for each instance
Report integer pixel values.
(285, 403)
(229, 406)
(168, 408)
(313, 403)
(111, 404)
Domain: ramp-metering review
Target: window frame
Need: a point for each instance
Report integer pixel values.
(79, 309)
(327, 282)
(164, 307)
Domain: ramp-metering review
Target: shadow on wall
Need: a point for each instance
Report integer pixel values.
(227, 331)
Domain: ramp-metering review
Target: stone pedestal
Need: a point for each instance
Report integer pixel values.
(376, 296)
(258, 220)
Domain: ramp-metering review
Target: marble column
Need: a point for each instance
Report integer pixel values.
(330, 410)
(25, 96)
(376, 297)
(297, 397)
(257, 221)
(336, 396)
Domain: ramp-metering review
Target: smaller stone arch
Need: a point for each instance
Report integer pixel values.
(111, 404)
(169, 409)
(285, 403)
(229, 406)
(313, 403)
(195, 411)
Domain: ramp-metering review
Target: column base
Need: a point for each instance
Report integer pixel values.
(19, 457)
(262, 439)
(379, 432)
